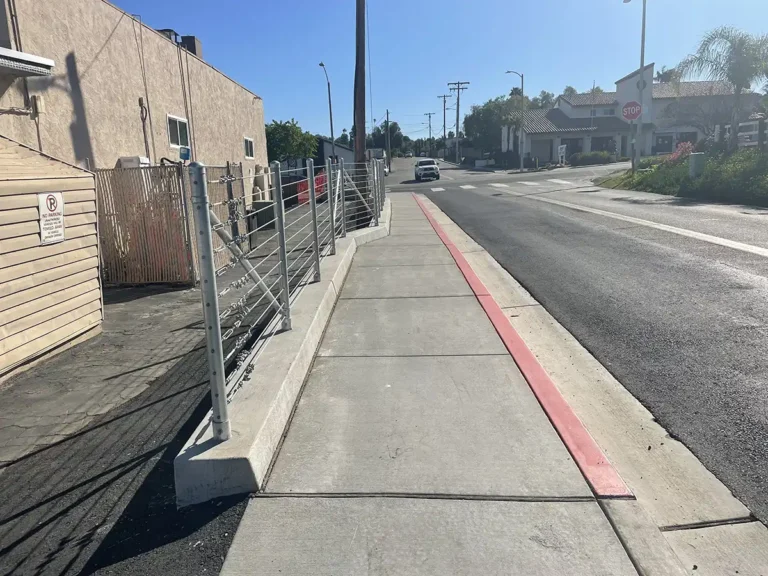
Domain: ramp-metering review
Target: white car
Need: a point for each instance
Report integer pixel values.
(386, 169)
(427, 168)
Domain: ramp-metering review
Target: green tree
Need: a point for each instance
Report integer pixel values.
(597, 90)
(569, 91)
(451, 134)
(483, 123)
(343, 139)
(286, 140)
(733, 56)
(543, 100)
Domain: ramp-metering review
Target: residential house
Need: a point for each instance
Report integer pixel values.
(672, 113)
(83, 81)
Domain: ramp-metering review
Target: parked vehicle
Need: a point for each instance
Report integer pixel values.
(427, 168)
(409, 154)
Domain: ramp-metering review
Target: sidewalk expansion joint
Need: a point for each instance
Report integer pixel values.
(520, 306)
(503, 355)
(402, 265)
(425, 496)
(407, 297)
(708, 524)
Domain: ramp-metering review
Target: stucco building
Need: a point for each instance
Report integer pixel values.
(672, 112)
(118, 88)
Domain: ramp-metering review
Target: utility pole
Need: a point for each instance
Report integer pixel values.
(444, 97)
(457, 87)
(429, 142)
(359, 95)
(389, 149)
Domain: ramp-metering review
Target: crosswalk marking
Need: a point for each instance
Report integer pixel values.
(500, 185)
(564, 182)
(467, 187)
(438, 189)
(447, 177)
(530, 183)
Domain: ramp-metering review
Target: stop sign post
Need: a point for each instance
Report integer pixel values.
(631, 111)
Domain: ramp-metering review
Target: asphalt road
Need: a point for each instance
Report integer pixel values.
(646, 285)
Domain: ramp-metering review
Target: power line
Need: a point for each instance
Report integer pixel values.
(457, 87)
(444, 97)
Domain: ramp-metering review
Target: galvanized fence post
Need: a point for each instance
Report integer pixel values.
(313, 210)
(216, 374)
(383, 189)
(375, 191)
(381, 186)
(343, 199)
(331, 199)
(277, 181)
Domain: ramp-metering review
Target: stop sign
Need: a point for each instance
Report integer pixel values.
(631, 110)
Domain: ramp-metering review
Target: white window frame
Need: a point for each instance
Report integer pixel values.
(253, 150)
(168, 128)
(611, 110)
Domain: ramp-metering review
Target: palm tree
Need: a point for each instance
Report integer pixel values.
(666, 74)
(733, 56)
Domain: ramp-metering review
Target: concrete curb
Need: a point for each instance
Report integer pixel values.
(598, 471)
(261, 410)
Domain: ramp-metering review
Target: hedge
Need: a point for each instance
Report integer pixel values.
(590, 158)
(741, 177)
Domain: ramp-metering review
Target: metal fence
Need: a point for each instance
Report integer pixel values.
(143, 226)
(254, 255)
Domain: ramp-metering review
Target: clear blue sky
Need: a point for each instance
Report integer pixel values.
(273, 47)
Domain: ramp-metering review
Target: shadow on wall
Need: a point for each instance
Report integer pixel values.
(78, 129)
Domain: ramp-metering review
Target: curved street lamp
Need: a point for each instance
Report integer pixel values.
(330, 110)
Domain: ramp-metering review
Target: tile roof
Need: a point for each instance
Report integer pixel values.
(589, 99)
(635, 72)
(554, 120)
(688, 89)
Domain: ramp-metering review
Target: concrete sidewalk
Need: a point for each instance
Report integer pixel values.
(417, 446)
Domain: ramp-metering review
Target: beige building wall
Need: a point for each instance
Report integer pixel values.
(103, 57)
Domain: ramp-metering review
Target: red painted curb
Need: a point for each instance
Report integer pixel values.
(595, 467)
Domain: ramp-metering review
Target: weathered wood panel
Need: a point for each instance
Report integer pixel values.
(66, 304)
(18, 299)
(143, 227)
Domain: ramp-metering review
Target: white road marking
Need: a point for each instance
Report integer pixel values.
(530, 183)
(467, 187)
(564, 182)
(446, 177)
(500, 185)
(438, 189)
(759, 251)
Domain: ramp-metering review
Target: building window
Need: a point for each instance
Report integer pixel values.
(178, 132)
(609, 111)
(248, 147)
(593, 112)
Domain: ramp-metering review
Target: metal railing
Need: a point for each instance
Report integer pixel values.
(266, 250)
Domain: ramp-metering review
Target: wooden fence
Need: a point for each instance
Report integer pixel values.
(144, 226)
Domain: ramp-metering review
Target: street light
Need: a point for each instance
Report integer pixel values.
(522, 115)
(330, 111)
(640, 86)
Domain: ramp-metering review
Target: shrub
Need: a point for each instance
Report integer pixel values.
(681, 153)
(738, 177)
(591, 158)
(650, 162)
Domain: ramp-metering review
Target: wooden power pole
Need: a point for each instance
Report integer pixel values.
(359, 96)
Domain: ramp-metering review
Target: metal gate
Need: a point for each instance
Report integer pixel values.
(144, 226)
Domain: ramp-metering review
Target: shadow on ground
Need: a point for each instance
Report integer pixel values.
(102, 501)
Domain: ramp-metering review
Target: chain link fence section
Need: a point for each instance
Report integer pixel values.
(256, 249)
